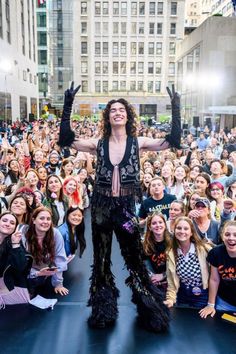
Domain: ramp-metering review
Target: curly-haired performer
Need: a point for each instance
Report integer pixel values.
(117, 186)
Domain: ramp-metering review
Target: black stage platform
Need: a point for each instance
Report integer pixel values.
(27, 330)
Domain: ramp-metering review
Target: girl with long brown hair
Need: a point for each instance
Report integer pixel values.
(187, 268)
(156, 240)
(46, 245)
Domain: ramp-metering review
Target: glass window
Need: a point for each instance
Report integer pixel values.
(115, 67)
(105, 28)
(150, 86)
(158, 86)
(97, 48)
(114, 85)
(173, 8)
(172, 48)
(141, 28)
(115, 27)
(105, 86)
(105, 8)
(173, 28)
(150, 68)
(151, 48)
(83, 27)
(97, 86)
(189, 63)
(132, 85)
(84, 8)
(140, 67)
(123, 85)
(97, 67)
(171, 70)
(97, 8)
(123, 67)
(158, 67)
(133, 48)
(123, 48)
(133, 27)
(105, 67)
(123, 27)
(84, 48)
(141, 48)
(84, 86)
(115, 48)
(140, 85)
(132, 67)
(133, 8)
(97, 27)
(159, 28)
(142, 8)
(115, 8)
(84, 67)
(160, 8)
(151, 27)
(124, 8)
(152, 8)
(105, 48)
(159, 48)
(180, 67)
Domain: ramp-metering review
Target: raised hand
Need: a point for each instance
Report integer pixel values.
(70, 94)
(66, 135)
(174, 137)
(174, 96)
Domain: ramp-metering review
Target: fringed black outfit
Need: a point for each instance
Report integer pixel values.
(116, 214)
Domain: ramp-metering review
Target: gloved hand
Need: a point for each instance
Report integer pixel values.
(174, 138)
(66, 135)
(68, 100)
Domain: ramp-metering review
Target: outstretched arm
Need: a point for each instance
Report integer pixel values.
(66, 135)
(173, 139)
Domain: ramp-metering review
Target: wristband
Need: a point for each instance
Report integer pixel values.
(211, 305)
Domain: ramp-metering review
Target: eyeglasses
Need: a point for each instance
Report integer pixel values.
(200, 206)
(215, 190)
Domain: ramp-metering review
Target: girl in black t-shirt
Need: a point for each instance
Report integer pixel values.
(156, 240)
(222, 284)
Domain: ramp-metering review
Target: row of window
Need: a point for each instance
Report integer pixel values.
(135, 28)
(136, 8)
(121, 68)
(103, 86)
(152, 48)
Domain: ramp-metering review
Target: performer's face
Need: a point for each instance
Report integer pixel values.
(118, 114)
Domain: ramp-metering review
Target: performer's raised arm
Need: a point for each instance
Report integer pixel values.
(174, 138)
(67, 136)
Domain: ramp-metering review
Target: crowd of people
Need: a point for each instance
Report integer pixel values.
(186, 214)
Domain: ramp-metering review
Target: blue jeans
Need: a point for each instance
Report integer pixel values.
(222, 305)
(186, 296)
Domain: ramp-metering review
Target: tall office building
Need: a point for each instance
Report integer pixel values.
(18, 60)
(42, 46)
(116, 49)
(221, 7)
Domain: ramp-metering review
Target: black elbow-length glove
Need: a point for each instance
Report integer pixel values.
(66, 134)
(174, 138)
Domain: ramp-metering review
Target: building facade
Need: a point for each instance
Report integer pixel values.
(18, 60)
(206, 73)
(118, 49)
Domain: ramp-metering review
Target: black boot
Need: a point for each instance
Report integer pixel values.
(104, 307)
(153, 314)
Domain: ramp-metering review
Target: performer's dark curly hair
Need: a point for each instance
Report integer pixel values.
(131, 125)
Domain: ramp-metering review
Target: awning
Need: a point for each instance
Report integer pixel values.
(222, 109)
